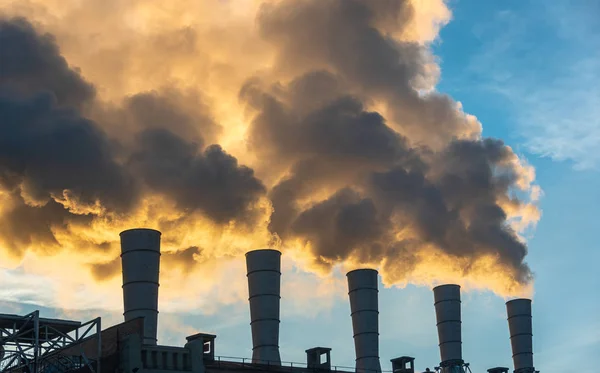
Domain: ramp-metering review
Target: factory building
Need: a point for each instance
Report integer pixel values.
(32, 344)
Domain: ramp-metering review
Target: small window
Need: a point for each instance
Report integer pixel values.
(154, 355)
(322, 358)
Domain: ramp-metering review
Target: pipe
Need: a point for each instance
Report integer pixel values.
(447, 312)
(140, 259)
(264, 283)
(363, 294)
(521, 335)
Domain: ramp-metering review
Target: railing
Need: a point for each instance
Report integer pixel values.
(166, 358)
(286, 365)
(59, 364)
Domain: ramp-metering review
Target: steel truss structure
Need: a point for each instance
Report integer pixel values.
(30, 344)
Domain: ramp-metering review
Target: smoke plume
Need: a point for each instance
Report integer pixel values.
(313, 126)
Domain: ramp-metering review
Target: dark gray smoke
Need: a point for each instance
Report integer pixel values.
(344, 38)
(45, 150)
(22, 226)
(183, 112)
(61, 169)
(31, 63)
(448, 198)
(359, 163)
(210, 181)
(426, 173)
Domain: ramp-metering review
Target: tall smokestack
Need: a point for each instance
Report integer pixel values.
(521, 335)
(363, 294)
(264, 277)
(140, 259)
(447, 312)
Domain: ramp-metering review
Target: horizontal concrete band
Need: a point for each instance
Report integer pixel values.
(523, 353)
(363, 333)
(263, 270)
(141, 309)
(520, 315)
(364, 288)
(266, 319)
(443, 343)
(265, 295)
(447, 321)
(128, 251)
(355, 312)
(447, 300)
(520, 334)
(266, 345)
(140, 282)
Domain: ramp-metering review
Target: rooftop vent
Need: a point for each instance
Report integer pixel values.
(208, 344)
(403, 364)
(318, 358)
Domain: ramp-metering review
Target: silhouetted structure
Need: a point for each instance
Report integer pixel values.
(30, 344)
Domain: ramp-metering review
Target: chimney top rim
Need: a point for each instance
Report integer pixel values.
(446, 286)
(519, 300)
(258, 250)
(362, 270)
(140, 230)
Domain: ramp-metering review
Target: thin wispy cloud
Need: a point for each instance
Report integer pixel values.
(24, 288)
(543, 62)
(583, 340)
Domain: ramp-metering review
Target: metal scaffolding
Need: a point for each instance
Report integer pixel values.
(30, 344)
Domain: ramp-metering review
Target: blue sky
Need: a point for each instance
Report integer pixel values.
(530, 72)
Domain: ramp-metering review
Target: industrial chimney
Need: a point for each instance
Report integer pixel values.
(363, 293)
(264, 278)
(447, 312)
(140, 259)
(521, 335)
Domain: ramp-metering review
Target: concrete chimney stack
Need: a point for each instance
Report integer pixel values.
(447, 312)
(140, 259)
(363, 294)
(264, 282)
(521, 335)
